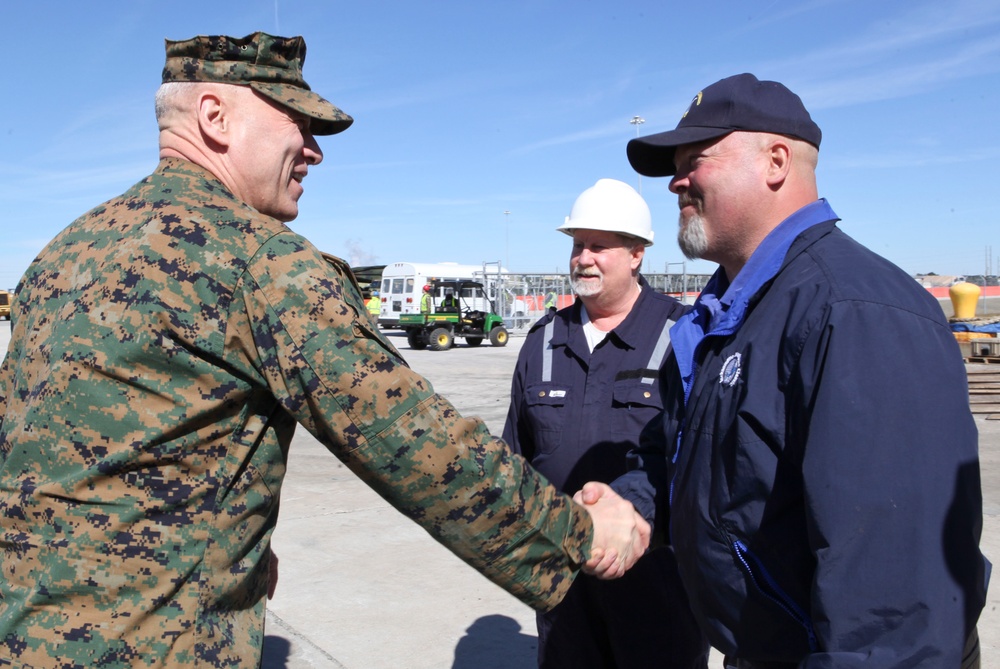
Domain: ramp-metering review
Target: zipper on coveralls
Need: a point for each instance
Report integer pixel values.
(770, 589)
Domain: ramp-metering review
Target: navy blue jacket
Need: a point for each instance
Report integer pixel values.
(580, 425)
(823, 477)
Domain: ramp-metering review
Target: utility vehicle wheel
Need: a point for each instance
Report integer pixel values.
(498, 336)
(473, 341)
(441, 339)
(416, 340)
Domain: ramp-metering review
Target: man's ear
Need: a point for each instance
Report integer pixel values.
(213, 119)
(779, 157)
(638, 252)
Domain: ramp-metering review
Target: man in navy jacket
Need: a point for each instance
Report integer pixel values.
(584, 388)
(818, 467)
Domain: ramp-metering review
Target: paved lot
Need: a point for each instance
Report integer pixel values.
(361, 587)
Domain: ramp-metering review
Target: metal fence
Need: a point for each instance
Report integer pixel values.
(526, 297)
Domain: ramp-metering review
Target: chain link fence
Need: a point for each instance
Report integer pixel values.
(524, 298)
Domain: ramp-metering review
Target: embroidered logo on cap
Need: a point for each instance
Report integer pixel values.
(694, 103)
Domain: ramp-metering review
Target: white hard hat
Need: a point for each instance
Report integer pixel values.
(612, 206)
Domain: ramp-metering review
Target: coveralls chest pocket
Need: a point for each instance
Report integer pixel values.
(635, 403)
(546, 410)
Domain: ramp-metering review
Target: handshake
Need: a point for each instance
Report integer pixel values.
(621, 535)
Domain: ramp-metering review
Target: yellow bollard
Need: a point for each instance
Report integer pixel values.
(964, 296)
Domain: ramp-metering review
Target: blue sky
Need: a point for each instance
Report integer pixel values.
(465, 110)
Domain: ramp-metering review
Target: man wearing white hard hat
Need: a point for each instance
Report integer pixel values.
(585, 387)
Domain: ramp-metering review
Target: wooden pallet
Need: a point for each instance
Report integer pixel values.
(983, 359)
(984, 386)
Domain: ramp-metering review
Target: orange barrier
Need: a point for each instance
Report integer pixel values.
(987, 291)
(535, 303)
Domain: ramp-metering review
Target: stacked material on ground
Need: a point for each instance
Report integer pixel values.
(984, 388)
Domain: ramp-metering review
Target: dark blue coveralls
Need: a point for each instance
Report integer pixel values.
(575, 415)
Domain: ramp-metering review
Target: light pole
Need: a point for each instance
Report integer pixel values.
(506, 226)
(637, 121)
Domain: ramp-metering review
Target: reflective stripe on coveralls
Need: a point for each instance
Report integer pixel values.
(660, 352)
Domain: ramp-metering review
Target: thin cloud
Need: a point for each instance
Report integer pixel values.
(355, 167)
(927, 48)
(462, 85)
(119, 115)
(600, 132)
(908, 159)
(974, 59)
(445, 202)
(925, 24)
(67, 183)
(761, 18)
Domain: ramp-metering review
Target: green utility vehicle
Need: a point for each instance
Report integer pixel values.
(452, 317)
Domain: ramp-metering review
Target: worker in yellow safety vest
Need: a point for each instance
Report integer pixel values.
(551, 300)
(425, 301)
(450, 302)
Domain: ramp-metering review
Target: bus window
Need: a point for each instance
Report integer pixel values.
(472, 292)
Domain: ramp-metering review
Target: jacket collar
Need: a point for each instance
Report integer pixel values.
(715, 315)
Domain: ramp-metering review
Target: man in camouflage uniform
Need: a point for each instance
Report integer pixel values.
(164, 346)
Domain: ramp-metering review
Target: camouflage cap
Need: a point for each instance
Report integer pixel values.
(270, 65)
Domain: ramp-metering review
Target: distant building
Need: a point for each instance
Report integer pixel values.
(938, 280)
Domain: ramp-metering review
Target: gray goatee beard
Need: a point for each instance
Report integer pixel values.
(587, 288)
(691, 237)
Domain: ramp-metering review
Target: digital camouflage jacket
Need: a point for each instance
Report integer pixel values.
(164, 347)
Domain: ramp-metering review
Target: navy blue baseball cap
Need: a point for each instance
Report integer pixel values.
(741, 102)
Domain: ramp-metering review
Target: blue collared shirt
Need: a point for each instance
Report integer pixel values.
(713, 315)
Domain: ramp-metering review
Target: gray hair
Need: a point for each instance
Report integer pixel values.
(171, 97)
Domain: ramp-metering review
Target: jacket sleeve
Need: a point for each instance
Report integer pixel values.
(879, 410)
(343, 382)
(647, 483)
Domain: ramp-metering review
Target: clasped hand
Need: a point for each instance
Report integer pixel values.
(621, 535)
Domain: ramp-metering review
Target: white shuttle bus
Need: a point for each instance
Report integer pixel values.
(403, 284)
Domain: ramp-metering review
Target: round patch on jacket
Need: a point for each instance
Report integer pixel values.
(730, 372)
